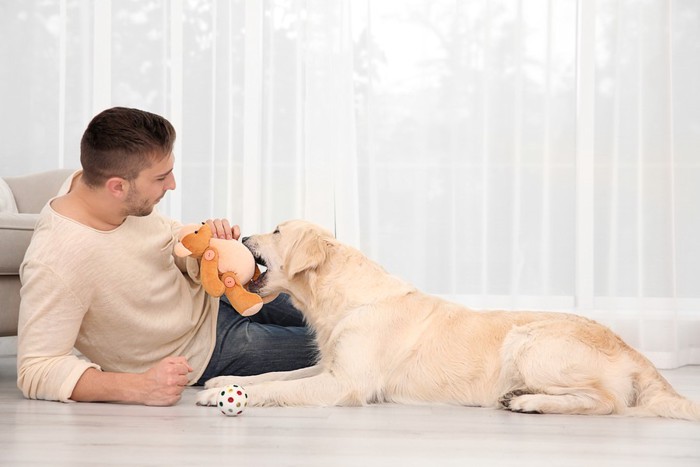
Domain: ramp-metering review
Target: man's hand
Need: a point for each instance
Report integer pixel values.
(163, 384)
(221, 228)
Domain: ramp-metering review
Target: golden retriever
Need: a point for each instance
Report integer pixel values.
(382, 340)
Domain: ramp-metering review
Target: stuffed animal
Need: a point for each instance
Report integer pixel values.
(225, 267)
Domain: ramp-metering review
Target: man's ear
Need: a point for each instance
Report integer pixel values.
(309, 252)
(117, 187)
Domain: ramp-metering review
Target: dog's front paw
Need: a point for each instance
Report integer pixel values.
(221, 381)
(208, 396)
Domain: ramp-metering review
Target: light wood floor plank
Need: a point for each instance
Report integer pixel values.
(56, 434)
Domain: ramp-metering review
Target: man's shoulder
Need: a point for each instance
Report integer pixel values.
(60, 205)
(56, 237)
(52, 222)
(53, 238)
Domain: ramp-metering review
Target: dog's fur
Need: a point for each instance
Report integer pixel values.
(381, 340)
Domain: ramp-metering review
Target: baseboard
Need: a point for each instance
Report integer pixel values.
(8, 346)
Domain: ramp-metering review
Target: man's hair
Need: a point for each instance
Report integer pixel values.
(121, 142)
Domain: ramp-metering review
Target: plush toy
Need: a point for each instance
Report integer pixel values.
(225, 267)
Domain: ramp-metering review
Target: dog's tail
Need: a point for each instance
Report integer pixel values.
(656, 397)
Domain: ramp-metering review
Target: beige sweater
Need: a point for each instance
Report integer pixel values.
(120, 298)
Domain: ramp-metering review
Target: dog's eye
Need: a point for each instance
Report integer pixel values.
(277, 230)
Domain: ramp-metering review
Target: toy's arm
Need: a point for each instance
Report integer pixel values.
(209, 272)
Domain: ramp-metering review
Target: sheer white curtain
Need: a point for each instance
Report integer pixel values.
(502, 153)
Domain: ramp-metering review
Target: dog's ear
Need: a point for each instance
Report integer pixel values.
(308, 252)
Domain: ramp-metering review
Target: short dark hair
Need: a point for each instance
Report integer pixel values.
(121, 142)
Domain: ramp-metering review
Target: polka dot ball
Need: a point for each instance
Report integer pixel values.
(232, 400)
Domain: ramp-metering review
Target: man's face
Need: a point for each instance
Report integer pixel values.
(150, 187)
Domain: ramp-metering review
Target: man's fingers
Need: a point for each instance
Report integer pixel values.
(221, 228)
(179, 381)
(226, 229)
(182, 361)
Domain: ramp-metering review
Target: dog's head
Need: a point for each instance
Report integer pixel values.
(290, 253)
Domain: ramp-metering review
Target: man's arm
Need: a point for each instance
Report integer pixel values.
(161, 385)
(50, 318)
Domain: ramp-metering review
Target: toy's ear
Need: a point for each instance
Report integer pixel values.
(309, 252)
(186, 230)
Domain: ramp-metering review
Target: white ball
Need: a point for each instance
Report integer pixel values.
(232, 400)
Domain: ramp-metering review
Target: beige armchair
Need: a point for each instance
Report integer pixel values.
(26, 195)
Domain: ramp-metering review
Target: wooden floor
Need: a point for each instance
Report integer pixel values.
(57, 434)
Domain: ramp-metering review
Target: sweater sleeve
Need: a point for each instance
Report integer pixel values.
(47, 368)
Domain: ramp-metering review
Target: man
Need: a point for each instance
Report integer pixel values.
(100, 276)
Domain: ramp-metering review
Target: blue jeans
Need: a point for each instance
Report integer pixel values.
(274, 339)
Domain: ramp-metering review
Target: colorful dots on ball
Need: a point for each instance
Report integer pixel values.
(232, 400)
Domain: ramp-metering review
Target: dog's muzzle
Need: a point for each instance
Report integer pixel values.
(257, 284)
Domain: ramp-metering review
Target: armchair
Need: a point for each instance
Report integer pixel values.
(29, 193)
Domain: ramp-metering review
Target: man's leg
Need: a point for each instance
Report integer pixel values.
(274, 341)
(279, 311)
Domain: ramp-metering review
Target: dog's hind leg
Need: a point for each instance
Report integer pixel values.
(582, 402)
(555, 370)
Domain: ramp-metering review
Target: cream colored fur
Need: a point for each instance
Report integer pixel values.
(381, 340)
